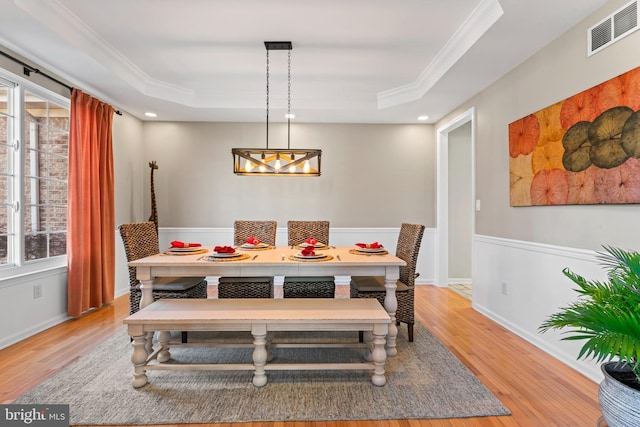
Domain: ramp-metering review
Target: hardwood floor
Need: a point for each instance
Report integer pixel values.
(539, 390)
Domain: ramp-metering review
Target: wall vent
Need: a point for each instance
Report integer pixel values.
(619, 24)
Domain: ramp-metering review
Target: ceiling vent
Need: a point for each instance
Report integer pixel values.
(619, 24)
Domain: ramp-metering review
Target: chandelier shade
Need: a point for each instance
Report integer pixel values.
(277, 161)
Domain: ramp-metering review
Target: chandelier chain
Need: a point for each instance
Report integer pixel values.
(289, 100)
(267, 98)
(289, 85)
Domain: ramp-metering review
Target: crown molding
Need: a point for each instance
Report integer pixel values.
(63, 22)
(477, 23)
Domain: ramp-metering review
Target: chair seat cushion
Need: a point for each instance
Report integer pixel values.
(175, 283)
(374, 284)
(245, 279)
(245, 287)
(309, 279)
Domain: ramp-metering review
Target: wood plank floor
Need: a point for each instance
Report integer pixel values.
(539, 390)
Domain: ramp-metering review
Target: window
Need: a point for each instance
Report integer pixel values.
(34, 145)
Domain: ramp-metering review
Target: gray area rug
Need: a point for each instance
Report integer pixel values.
(425, 380)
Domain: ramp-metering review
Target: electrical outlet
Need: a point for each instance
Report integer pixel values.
(504, 288)
(37, 291)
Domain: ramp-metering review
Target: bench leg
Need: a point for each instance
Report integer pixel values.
(260, 354)
(139, 359)
(379, 354)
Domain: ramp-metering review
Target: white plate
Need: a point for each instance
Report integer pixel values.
(250, 246)
(192, 249)
(309, 256)
(225, 255)
(371, 250)
(317, 245)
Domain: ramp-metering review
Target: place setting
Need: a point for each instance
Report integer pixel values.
(309, 253)
(374, 248)
(227, 253)
(182, 248)
(254, 244)
(313, 243)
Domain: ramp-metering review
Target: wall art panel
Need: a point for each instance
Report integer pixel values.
(582, 150)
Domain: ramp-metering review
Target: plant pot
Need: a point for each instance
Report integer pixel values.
(619, 403)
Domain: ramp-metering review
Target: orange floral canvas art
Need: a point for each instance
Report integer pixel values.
(582, 150)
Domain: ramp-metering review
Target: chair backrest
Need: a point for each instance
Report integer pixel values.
(263, 230)
(299, 231)
(407, 249)
(140, 240)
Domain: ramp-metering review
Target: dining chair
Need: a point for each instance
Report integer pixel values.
(308, 287)
(407, 249)
(140, 240)
(249, 287)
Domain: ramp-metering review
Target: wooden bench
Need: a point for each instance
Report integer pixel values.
(261, 317)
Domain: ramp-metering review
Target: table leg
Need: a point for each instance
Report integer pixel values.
(269, 347)
(368, 345)
(139, 359)
(391, 305)
(164, 355)
(260, 355)
(379, 355)
(146, 288)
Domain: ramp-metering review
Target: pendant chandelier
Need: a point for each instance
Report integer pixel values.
(277, 161)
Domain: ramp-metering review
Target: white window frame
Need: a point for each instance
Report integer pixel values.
(17, 265)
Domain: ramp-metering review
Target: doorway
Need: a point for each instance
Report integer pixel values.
(447, 226)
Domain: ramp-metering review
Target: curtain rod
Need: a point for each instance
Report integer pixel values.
(28, 69)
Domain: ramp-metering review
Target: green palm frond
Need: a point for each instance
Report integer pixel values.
(607, 314)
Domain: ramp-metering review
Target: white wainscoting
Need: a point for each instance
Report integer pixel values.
(21, 314)
(518, 284)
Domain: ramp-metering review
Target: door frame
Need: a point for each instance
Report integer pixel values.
(442, 193)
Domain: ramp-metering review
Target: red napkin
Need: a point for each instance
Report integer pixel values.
(253, 241)
(308, 251)
(311, 241)
(177, 244)
(374, 245)
(224, 249)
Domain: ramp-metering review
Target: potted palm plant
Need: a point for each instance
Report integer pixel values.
(607, 317)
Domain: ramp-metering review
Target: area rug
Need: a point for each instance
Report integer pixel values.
(425, 380)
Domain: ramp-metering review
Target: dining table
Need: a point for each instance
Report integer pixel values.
(276, 261)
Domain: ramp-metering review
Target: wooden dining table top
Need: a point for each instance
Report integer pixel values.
(337, 256)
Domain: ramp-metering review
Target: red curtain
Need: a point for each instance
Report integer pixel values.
(91, 212)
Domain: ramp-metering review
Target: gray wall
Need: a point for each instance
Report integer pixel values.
(372, 175)
(130, 168)
(560, 70)
(460, 203)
